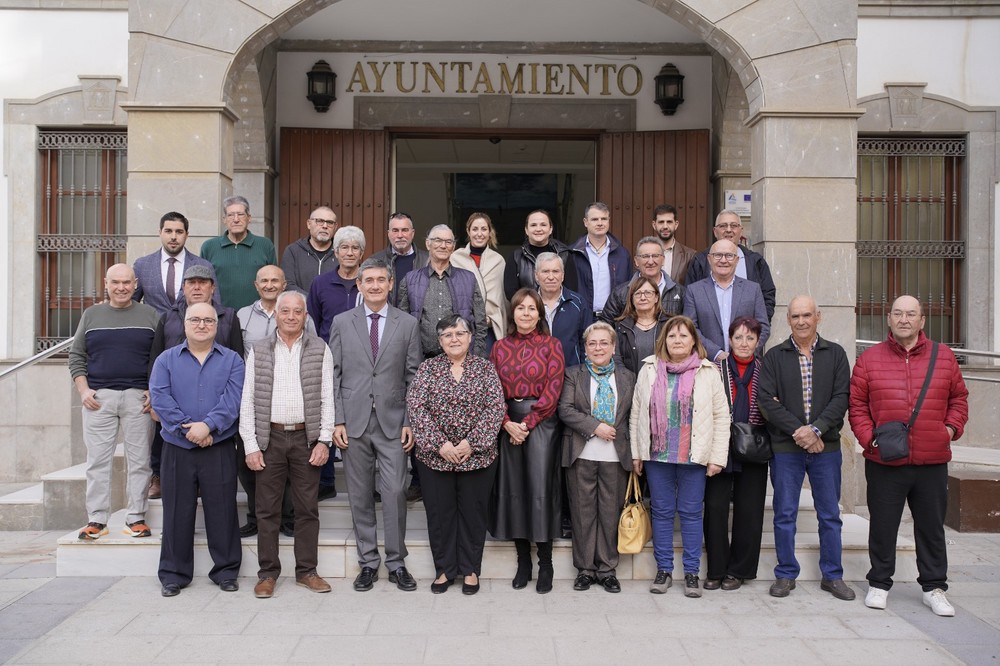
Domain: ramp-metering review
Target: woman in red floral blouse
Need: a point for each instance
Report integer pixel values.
(525, 504)
(456, 406)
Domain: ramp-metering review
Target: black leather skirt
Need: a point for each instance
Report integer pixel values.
(526, 500)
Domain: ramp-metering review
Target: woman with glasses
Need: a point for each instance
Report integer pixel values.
(640, 323)
(481, 258)
(594, 407)
(526, 499)
(456, 406)
(520, 270)
(679, 430)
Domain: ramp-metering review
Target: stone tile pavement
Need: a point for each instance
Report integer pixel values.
(49, 620)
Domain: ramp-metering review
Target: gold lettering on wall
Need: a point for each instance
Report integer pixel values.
(478, 78)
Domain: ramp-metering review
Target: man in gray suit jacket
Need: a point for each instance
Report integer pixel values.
(712, 303)
(376, 351)
(158, 285)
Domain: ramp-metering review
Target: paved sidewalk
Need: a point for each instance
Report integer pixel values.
(44, 619)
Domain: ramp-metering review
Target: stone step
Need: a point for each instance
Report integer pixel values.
(23, 509)
(119, 555)
(65, 493)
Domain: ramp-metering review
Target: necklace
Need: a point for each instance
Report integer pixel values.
(645, 325)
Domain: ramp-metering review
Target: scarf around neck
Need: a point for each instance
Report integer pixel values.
(603, 407)
(659, 407)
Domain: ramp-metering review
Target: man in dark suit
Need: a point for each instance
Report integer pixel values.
(376, 351)
(751, 266)
(717, 300)
(160, 273)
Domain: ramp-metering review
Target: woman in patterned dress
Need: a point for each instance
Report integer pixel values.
(526, 500)
(456, 406)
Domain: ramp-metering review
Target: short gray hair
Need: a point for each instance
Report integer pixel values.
(375, 263)
(549, 256)
(348, 234)
(237, 199)
(727, 211)
(601, 326)
(439, 227)
(291, 293)
(648, 240)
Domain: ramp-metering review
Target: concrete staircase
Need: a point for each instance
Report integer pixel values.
(120, 555)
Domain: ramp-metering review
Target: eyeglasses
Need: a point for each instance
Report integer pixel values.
(319, 220)
(201, 321)
(729, 225)
(598, 344)
(443, 242)
(645, 257)
(645, 293)
(235, 216)
(718, 256)
(453, 335)
(899, 314)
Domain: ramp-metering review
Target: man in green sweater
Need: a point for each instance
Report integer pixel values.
(237, 255)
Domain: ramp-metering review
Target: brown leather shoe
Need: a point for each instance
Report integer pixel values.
(313, 582)
(155, 491)
(264, 589)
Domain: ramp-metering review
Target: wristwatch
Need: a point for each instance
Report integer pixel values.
(327, 444)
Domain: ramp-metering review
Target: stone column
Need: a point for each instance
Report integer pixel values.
(180, 159)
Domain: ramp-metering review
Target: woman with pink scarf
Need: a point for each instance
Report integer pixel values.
(680, 435)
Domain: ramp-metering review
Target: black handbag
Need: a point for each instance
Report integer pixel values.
(892, 439)
(747, 443)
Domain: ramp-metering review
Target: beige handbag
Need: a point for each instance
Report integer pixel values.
(634, 527)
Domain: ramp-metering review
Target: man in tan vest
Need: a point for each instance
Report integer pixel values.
(286, 421)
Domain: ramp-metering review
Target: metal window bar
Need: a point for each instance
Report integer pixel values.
(909, 232)
(82, 230)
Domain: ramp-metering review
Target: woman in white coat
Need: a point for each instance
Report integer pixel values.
(680, 435)
(480, 257)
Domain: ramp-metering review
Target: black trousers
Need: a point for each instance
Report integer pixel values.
(457, 504)
(248, 479)
(183, 472)
(925, 489)
(747, 489)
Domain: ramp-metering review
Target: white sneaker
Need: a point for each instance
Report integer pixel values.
(876, 598)
(938, 603)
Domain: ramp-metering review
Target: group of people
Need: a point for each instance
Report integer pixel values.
(520, 393)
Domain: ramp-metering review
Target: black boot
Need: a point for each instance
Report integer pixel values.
(523, 574)
(544, 583)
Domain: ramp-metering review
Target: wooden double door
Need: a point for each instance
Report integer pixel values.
(350, 172)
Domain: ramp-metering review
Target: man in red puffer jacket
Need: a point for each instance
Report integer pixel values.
(884, 387)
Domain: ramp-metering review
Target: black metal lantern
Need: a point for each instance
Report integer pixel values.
(669, 89)
(322, 90)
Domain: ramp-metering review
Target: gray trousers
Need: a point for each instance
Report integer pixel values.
(596, 495)
(360, 459)
(100, 434)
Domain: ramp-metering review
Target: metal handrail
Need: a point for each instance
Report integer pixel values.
(957, 350)
(40, 356)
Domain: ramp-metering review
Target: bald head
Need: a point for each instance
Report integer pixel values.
(269, 283)
(722, 258)
(906, 320)
(803, 319)
(200, 324)
(120, 284)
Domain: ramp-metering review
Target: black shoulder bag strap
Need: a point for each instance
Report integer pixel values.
(923, 390)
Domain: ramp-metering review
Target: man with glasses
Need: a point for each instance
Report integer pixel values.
(308, 257)
(237, 254)
(649, 264)
(401, 256)
(751, 265)
(720, 298)
(885, 386)
(434, 292)
(195, 388)
(677, 255)
(198, 287)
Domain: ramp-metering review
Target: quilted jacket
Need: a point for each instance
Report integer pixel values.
(884, 387)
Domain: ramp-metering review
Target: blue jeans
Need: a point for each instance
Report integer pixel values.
(676, 489)
(787, 473)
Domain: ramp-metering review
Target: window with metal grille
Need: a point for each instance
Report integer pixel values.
(910, 241)
(81, 232)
